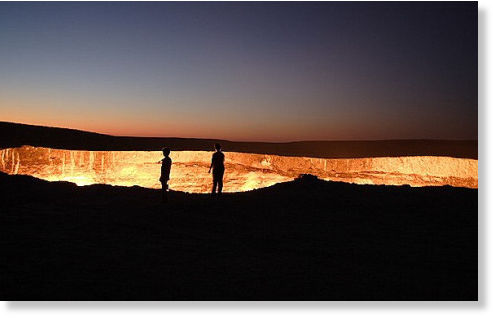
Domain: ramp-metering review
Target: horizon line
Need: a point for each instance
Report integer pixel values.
(239, 141)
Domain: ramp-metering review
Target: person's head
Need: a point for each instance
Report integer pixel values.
(217, 146)
(166, 151)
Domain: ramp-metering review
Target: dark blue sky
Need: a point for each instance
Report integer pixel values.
(243, 71)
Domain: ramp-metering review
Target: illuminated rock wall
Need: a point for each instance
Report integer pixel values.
(243, 171)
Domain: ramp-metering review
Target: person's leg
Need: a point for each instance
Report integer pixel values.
(220, 187)
(220, 181)
(214, 184)
(164, 192)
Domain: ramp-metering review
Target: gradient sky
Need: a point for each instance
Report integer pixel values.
(243, 71)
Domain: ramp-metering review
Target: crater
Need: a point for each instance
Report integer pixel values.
(244, 171)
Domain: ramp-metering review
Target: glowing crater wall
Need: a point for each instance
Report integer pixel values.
(243, 171)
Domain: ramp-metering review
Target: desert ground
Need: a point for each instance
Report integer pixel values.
(301, 240)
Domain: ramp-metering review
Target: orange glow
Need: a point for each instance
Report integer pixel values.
(243, 171)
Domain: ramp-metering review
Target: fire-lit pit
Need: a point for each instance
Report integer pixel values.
(244, 171)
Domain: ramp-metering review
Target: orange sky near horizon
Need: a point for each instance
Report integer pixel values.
(257, 72)
(107, 117)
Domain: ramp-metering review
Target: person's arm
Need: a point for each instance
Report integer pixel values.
(212, 161)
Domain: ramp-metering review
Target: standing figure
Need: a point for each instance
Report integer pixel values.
(165, 170)
(217, 166)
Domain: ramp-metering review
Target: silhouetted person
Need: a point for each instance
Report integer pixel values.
(217, 166)
(165, 170)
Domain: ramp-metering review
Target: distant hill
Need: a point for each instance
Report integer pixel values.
(15, 135)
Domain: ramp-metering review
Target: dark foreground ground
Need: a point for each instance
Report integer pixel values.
(302, 240)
